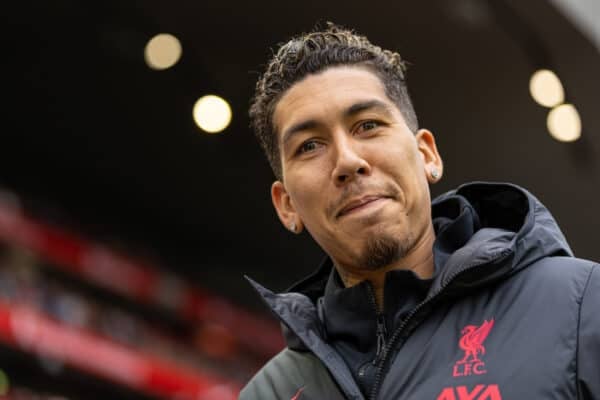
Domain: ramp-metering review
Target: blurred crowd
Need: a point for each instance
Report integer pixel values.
(187, 335)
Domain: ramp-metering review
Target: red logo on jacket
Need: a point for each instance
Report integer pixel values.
(298, 393)
(471, 342)
(479, 392)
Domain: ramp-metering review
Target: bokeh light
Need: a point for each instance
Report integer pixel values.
(162, 51)
(546, 89)
(564, 123)
(212, 113)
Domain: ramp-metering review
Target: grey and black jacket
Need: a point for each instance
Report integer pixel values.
(509, 314)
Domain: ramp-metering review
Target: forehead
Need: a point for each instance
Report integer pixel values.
(323, 95)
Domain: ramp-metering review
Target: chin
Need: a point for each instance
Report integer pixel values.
(381, 250)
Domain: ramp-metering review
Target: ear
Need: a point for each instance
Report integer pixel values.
(431, 157)
(285, 207)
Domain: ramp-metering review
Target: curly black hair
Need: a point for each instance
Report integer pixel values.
(312, 53)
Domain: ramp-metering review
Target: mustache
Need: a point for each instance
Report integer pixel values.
(359, 189)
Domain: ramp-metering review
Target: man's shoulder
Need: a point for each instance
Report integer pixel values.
(287, 374)
(289, 361)
(552, 273)
(274, 379)
(562, 266)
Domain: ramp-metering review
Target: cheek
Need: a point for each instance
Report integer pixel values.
(405, 167)
(403, 161)
(307, 195)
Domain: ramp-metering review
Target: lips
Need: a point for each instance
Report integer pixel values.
(354, 204)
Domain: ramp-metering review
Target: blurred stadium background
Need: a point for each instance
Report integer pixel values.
(126, 227)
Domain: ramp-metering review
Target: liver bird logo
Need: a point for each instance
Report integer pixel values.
(472, 340)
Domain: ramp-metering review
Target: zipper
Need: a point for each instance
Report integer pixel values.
(435, 296)
(381, 336)
(381, 332)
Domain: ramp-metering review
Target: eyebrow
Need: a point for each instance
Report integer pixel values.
(299, 127)
(375, 105)
(356, 108)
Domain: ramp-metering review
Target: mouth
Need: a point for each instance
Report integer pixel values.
(360, 204)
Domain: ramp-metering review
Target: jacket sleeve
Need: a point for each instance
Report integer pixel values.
(292, 375)
(588, 349)
(271, 382)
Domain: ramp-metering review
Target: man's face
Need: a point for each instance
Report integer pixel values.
(353, 173)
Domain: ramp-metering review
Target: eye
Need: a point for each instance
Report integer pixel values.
(308, 146)
(368, 125)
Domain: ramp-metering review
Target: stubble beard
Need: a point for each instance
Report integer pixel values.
(382, 250)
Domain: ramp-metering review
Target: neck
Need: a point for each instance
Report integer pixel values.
(419, 260)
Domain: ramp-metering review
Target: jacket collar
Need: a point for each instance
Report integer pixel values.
(349, 314)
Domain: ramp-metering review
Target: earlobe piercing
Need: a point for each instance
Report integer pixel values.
(435, 174)
(293, 227)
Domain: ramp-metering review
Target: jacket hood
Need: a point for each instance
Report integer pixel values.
(501, 220)
(499, 227)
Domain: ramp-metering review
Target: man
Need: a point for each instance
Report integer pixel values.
(475, 295)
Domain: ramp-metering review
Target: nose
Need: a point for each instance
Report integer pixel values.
(349, 163)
